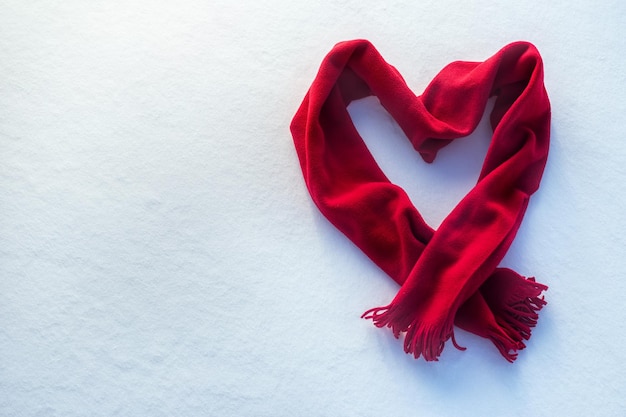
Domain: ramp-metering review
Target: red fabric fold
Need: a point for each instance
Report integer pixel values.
(451, 275)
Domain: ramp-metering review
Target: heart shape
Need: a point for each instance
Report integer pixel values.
(451, 275)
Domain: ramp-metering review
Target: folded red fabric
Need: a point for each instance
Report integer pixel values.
(449, 275)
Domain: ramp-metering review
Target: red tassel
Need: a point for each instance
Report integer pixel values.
(518, 315)
(508, 347)
(420, 339)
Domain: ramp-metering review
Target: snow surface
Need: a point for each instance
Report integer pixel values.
(160, 255)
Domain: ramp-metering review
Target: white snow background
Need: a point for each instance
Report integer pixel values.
(159, 252)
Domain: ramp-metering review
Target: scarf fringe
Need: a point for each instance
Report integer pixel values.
(420, 339)
(517, 318)
(515, 321)
(507, 346)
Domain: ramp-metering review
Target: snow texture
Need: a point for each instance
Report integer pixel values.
(159, 252)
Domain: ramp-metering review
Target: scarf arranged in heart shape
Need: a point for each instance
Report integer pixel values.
(450, 275)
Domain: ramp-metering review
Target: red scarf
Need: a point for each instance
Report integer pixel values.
(449, 275)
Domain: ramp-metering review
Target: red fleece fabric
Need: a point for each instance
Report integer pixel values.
(449, 275)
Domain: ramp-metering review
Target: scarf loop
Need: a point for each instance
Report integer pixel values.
(449, 276)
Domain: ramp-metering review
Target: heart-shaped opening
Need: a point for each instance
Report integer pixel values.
(455, 170)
